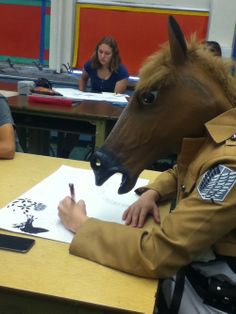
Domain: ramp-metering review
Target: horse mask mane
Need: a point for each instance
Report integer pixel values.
(181, 51)
(181, 87)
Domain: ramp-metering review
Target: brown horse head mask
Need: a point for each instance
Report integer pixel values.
(181, 87)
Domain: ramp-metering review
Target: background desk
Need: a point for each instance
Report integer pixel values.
(48, 280)
(89, 117)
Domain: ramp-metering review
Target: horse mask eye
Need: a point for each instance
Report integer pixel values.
(148, 98)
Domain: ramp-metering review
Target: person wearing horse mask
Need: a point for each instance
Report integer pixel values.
(184, 104)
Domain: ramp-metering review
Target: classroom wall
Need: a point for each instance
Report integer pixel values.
(139, 31)
(62, 21)
(61, 40)
(182, 4)
(24, 36)
(222, 24)
(61, 33)
(222, 15)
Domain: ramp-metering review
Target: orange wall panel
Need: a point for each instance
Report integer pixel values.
(20, 30)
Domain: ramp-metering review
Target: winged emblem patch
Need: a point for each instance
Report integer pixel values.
(216, 183)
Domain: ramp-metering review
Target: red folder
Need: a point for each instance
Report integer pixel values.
(56, 100)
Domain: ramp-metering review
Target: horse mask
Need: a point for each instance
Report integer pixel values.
(174, 98)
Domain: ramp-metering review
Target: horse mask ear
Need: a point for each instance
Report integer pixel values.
(178, 47)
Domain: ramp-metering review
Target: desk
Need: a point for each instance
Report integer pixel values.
(48, 280)
(87, 117)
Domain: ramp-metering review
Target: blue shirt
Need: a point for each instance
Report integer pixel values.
(98, 85)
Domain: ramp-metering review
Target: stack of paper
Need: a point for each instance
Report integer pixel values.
(35, 212)
(8, 93)
(77, 95)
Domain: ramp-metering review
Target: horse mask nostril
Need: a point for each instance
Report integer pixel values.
(97, 163)
(104, 165)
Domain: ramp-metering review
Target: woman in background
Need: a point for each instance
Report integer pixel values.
(104, 69)
(106, 74)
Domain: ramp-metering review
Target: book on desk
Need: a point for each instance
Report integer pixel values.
(70, 96)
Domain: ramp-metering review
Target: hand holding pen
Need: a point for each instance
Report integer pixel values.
(73, 215)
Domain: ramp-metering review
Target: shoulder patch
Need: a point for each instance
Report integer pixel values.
(216, 183)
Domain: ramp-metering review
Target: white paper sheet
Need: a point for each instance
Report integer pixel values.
(35, 212)
(8, 93)
(76, 94)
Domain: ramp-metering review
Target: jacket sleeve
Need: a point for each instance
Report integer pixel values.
(165, 184)
(184, 234)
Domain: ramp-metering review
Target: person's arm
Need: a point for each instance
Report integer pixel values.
(135, 215)
(83, 81)
(163, 188)
(121, 86)
(122, 81)
(7, 141)
(7, 131)
(125, 242)
(72, 214)
(193, 227)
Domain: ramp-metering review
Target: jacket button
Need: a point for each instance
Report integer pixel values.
(233, 137)
(183, 188)
(226, 300)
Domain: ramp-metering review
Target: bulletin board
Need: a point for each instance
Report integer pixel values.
(23, 35)
(138, 31)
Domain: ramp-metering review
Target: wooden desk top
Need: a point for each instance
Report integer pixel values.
(86, 109)
(48, 269)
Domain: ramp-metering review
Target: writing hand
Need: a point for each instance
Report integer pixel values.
(73, 215)
(136, 214)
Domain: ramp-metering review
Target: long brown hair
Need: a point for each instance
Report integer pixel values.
(115, 60)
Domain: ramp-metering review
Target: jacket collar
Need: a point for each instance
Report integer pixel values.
(219, 129)
(223, 126)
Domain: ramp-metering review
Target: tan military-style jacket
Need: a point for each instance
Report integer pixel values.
(204, 216)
